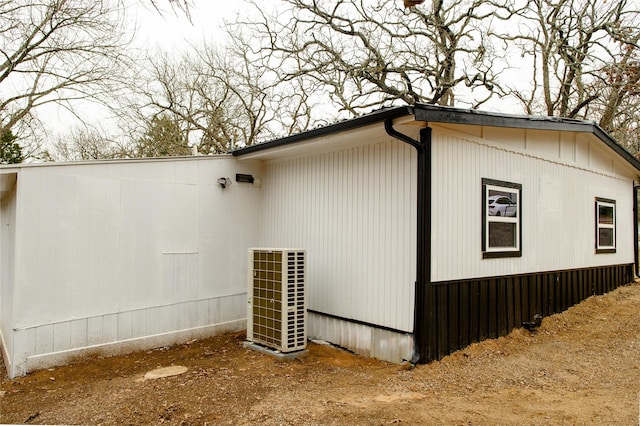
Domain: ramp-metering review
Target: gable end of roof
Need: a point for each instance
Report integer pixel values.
(451, 115)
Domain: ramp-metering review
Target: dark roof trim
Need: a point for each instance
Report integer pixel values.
(441, 114)
(365, 120)
(611, 143)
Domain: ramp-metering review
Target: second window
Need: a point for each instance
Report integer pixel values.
(501, 219)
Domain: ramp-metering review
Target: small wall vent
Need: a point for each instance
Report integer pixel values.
(277, 306)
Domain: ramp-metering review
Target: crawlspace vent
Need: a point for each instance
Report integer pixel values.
(276, 314)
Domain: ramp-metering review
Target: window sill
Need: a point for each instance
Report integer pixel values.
(498, 254)
(601, 251)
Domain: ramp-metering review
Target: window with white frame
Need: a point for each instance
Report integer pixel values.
(501, 219)
(605, 225)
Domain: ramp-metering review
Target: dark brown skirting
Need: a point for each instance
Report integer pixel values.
(468, 311)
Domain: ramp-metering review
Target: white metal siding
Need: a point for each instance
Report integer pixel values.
(128, 251)
(558, 221)
(114, 333)
(7, 261)
(354, 212)
(366, 341)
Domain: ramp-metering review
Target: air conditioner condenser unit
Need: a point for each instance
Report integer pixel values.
(276, 296)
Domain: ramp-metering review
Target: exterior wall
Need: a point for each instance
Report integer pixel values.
(468, 311)
(129, 254)
(353, 210)
(561, 174)
(7, 243)
(472, 298)
(363, 339)
(115, 256)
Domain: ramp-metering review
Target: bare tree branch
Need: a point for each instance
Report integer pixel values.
(218, 99)
(571, 43)
(85, 143)
(365, 54)
(177, 6)
(57, 51)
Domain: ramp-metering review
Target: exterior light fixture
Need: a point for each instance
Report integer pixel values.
(224, 182)
(240, 178)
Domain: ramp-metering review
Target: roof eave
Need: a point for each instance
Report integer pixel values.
(365, 120)
(443, 114)
(611, 143)
(473, 117)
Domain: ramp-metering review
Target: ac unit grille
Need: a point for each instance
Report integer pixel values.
(277, 309)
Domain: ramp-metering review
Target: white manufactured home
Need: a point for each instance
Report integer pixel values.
(425, 229)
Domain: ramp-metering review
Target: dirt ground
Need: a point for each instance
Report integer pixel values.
(580, 367)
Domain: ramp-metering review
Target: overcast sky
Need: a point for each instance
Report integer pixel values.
(171, 29)
(168, 30)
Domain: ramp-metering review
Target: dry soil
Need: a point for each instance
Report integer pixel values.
(579, 367)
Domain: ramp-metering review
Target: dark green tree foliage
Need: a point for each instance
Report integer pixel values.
(10, 150)
(163, 138)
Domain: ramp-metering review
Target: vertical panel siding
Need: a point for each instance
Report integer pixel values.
(130, 235)
(468, 311)
(557, 210)
(127, 251)
(353, 211)
(7, 265)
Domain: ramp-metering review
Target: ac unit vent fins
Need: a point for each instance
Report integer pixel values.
(276, 314)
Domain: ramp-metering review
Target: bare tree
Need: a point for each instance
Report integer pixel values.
(365, 54)
(621, 82)
(570, 45)
(218, 99)
(618, 107)
(177, 6)
(584, 57)
(183, 90)
(265, 107)
(56, 51)
(85, 143)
